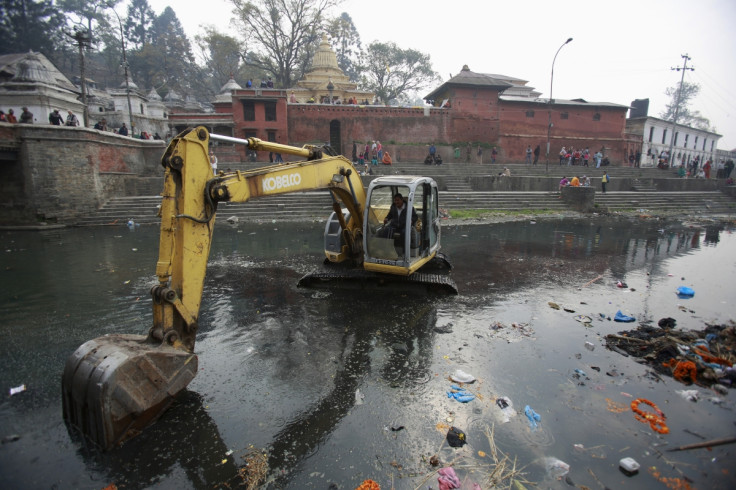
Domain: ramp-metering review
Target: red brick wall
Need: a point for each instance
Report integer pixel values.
(518, 130)
(310, 123)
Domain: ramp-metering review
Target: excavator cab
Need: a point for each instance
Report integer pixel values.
(408, 245)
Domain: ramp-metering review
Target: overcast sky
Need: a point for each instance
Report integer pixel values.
(621, 50)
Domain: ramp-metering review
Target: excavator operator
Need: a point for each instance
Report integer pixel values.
(396, 217)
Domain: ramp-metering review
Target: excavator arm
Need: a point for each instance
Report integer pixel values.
(114, 386)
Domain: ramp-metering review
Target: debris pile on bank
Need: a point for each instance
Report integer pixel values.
(702, 357)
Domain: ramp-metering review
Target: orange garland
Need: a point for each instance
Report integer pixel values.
(368, 485)
(655, 420)
(682, 370)
(707, 357)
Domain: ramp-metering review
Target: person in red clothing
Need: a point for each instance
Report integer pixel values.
(706, 169)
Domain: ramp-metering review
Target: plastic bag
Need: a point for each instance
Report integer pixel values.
(556, 468)
(685, 292)
(620, 317)
(533, 417)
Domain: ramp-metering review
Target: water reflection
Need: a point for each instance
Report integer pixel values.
(281, 366)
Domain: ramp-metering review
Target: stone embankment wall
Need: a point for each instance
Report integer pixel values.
(57, 174)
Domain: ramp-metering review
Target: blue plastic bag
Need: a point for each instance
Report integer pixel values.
(685, 292)
(533, 416)
(460, 394)
(620, 317)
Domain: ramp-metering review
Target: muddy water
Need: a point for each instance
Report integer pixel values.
(318, 379)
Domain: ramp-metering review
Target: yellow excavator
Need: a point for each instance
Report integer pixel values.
(114, 386)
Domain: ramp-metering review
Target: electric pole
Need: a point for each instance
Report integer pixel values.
(677, 105)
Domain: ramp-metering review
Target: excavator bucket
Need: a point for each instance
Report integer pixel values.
(115, 386)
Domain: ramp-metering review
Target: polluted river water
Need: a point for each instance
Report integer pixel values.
(329, 388)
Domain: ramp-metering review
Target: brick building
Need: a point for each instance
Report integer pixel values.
(468, 110)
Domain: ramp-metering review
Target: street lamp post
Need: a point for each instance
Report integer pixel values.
(125, 68)
(549, 108)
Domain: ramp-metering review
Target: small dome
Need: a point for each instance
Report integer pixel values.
(153, 95)
(230, 86)
(131, 85)
(31, 69)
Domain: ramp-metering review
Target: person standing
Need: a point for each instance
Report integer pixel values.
(537, 151)
(604, 180)
(71, 119)
(10, 116)
(598, 156)
(480, 155)
(213, 161)
(563, 154)
(26, 117)
(123, 131)
(494, 154)
(529, 154)
(706, 168)
(355, 152)
(55, 118)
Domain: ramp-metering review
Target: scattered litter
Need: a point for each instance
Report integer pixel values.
(460, 376)
(534, 417)
(556, 468)
(507, 408)
(583, 319)
(10, 438)
(691, 395)
(667, 322)
(554, 306)
(232, 220)
(229, 452)
(620, 317)
(17, 389)
(448, 479)
(456, 437)
(580, 372)
(589, 346)
(460, 394)
(685, 355)
(685, 292)
(359, 397)
(629, 464)
(569, 310)
(621, 284)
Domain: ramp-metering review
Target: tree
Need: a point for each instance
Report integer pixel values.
(87, 11)
(346, 42)
(166, 58)
(282, 34)
(139, 22)
(391, 72)
(222, 57)
(685, 115)
(30, 24)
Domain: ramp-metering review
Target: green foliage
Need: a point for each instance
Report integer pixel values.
(139, 22)
(391, 72)
(346, 43)
(30, 25)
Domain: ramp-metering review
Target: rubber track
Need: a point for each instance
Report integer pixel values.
(363, 278)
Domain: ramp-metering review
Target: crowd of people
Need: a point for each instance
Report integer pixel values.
(371, 154)
(71, 119)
